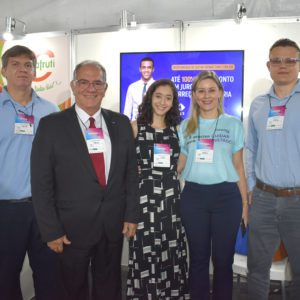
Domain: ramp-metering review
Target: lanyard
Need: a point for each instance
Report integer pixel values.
(282, 105)
(213, 135)
(157, 131)
(86, 128)
(20, 111)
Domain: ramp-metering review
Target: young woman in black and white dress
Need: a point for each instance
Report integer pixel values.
(157, 253)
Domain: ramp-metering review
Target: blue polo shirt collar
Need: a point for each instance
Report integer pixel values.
(296, 89)
(5, 97)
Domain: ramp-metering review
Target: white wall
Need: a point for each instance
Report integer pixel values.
(106, 48)
(26, 280)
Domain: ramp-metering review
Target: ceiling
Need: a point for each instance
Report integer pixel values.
(65, 15)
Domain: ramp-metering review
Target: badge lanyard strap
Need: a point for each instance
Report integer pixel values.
(283, 105)
(86, 128)
(157, 131)
(155, 137)
(26, 115)
(213, 136)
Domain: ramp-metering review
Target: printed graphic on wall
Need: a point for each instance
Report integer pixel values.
(181, 67)
(52, 70)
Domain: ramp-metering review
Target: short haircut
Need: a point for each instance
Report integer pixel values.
(285, 43)
(93, 63)
(147, 59)
(16, 51)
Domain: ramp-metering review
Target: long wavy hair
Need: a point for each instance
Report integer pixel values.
(192, 123)
(145, 115)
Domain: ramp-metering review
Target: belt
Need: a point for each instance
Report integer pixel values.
(278, 192)
(23, 200)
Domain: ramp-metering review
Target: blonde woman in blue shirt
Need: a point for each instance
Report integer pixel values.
(214, 198)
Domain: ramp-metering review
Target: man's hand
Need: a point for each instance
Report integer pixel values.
(245, 214)
(129, 229)
(58, 245)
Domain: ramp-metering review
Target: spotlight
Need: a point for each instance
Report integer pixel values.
(240, 12)
(124, 19)
(12, 30)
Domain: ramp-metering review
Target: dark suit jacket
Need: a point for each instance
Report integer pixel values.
(66, 194)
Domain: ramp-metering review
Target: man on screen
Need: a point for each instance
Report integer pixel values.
(138, 89)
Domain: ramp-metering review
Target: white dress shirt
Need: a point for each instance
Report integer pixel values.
(134, 97)
(84, 122)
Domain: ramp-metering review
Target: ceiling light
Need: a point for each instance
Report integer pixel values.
(124, 19)
(14, 29)
(240, 12)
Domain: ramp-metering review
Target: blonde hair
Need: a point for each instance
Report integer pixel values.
(192, 123)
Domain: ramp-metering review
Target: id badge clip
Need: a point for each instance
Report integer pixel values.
(95, 140)
(276, 117)
(24, 124)
(161, 155)
(204, 151)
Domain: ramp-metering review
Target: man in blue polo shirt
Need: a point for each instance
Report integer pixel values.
(273, 161)
(20, 111)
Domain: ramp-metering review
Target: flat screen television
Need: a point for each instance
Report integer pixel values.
(182, 66)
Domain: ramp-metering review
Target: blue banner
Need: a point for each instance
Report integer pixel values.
(182, 66)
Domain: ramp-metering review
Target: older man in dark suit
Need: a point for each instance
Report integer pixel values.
(84, 186)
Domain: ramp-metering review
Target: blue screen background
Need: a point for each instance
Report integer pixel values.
(232, 80)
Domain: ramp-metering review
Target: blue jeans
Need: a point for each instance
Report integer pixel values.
(19, 234)
(272, 219)
(211, 215)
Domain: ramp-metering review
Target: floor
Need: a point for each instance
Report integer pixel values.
(275, 293)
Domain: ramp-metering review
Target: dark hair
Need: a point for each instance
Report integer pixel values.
(16, 51)
(90, 62)
(145, 115)
(285, 43)
(147, 59)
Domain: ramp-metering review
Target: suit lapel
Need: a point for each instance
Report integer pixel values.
(77, 138)
(112, 130)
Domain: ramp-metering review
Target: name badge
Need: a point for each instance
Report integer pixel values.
(24, 124)
(95, 140)
(204, 151)
(276, 117)
(162, 154)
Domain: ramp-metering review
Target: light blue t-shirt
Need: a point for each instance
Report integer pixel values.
(15, 149)
(228, 139)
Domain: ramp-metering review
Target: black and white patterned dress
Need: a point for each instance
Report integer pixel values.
(157, 253)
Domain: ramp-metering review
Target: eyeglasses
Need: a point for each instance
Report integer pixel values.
(84, 84)
(288, 61)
